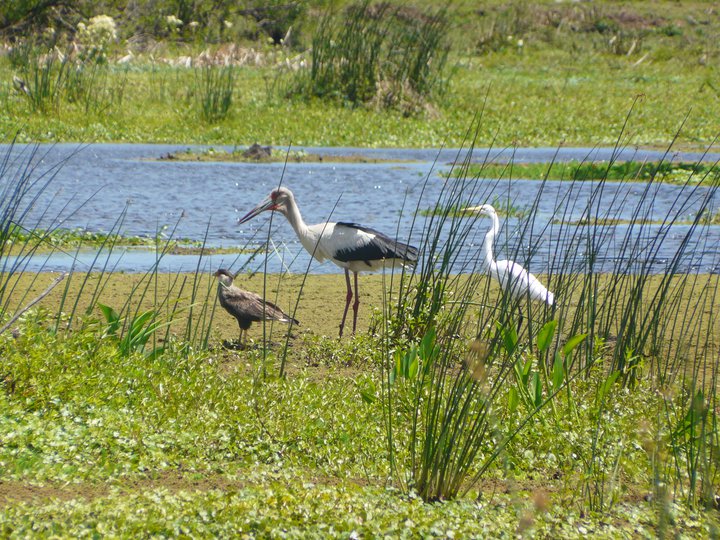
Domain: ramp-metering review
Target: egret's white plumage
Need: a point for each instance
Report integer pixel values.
(348, 245)
(512, 276)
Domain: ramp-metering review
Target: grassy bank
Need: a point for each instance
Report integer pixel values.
(319, 309)
(575, 103)
(201, 442)
(541, 74)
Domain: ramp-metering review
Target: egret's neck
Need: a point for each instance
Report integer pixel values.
(490, 240)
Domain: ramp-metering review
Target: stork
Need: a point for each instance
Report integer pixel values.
(512, 277)
(247, 307)
(350, 246)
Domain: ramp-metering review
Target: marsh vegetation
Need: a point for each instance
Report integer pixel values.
(448, 407)
(457, 409)
(548, 73)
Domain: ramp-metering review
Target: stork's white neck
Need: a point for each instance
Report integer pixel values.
(292, 213)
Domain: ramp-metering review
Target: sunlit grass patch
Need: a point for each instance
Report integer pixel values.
(640, 171)
(65, 238)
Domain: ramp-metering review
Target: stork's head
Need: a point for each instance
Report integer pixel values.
(224, 276)
(482, 210)
(278, 200)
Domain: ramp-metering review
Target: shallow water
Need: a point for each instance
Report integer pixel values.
(94, 185)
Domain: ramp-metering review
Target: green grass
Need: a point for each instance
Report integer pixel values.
(575, 109)
(209, 444)
(75, 238)
(561, 87)
(134, 419)
(679, 173)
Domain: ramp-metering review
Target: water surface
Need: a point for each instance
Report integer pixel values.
(91, 186)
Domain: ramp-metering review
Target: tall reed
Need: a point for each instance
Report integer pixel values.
(214, 87)
(377, 52)
(43, 77)
(151, 306)
(632, 319)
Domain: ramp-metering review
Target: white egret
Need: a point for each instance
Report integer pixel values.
(511, 276)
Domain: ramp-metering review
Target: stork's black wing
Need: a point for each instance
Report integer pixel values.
(379, 247)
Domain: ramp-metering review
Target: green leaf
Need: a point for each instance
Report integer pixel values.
(510, 338)
(604, 388)
(427, 345)
(413, 368)
(545, 335)
(367, 392)
(526, 370)
(408, 359)
(558, 373)
(572, 343)
(139, 321)
(513, 399)
(536, 389)
(155, 353)
(112, 318)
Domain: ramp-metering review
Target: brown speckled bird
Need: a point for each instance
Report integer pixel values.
(247, 307)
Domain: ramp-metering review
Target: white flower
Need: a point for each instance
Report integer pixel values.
(228, 24)
(173, 21)
(520, 42)
(98, 34)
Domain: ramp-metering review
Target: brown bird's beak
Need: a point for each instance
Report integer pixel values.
(267, 204)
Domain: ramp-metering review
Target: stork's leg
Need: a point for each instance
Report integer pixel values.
(356, 305)
(348, 297)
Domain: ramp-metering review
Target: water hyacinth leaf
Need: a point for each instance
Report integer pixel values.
(572, 343)
(545, 335)
(409, 359)
(139, 322)
(155, 353)
(526, 370)
(558, 373)
(397, 367)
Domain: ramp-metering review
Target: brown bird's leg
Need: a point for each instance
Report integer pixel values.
(356, 305)
(347, 300)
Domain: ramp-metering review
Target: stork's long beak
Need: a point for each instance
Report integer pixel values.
(267, 204)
